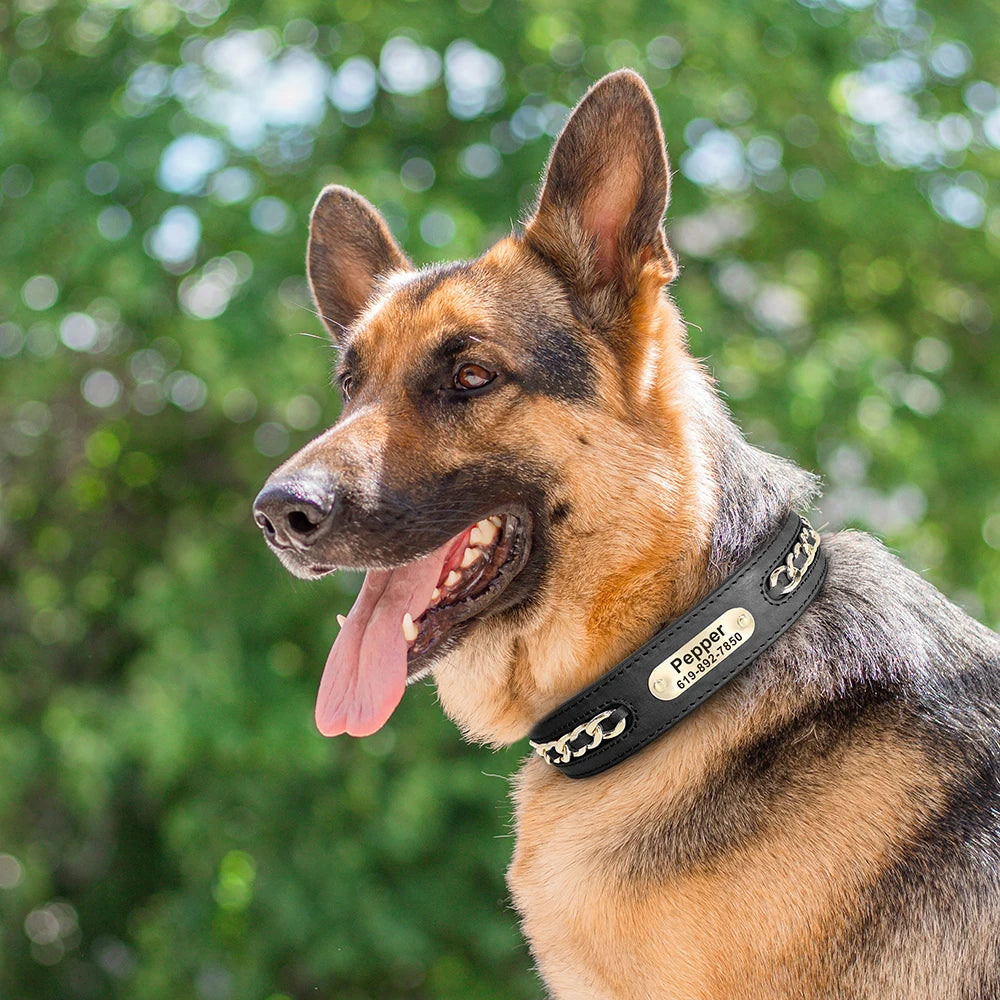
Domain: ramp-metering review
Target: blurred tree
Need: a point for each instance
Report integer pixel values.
(170, 824)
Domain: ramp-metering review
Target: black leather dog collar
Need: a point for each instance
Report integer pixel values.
(688, 660)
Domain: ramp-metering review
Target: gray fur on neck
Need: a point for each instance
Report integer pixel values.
(756, 490)
(874, 622)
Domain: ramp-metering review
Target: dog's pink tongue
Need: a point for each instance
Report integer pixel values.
(365, 673)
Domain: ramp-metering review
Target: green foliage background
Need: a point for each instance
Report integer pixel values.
(170, 823)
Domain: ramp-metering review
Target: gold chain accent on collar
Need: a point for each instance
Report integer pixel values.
(641, 725)
(808, 543)
(562, 750)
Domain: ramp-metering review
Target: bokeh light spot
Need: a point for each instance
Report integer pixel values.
(437, 228)
(232, 185)
(100, 388)
(40, 292)
(239, 405)
(11, 872)
(175, 238)
(270, 215)
(474, 79)
(408, 68)
(114, 222)
(417, 174)
(271, 439)
(101, 178)
(78, 331)
(16, 181)
(991, 531)
(187, 162)
(186, 390)
(11, 340)
(479, 160)
(353, 88)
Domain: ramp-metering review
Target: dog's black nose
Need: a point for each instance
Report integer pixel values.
(292, 512)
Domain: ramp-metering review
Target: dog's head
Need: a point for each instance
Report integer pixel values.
(514, 458)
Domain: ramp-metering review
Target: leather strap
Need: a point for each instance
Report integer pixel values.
(688, 660)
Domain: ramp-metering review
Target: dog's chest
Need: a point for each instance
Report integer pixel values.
(596, 933)
(599, 931)
(582, 931)
(627, 890)
(596, 927)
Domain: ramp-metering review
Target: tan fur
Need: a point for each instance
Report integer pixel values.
(600, 932)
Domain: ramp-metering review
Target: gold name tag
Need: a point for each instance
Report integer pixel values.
(681, 670)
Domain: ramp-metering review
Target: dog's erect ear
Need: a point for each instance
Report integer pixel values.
(600, 213)
(350, 248)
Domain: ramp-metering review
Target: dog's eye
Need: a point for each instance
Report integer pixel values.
(346, 384)
(472, 376)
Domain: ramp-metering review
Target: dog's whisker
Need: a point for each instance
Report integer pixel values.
(328, 320)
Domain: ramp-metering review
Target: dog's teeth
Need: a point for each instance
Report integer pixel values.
(469, 557)
(452, 578)
(484, 532)
(495, 520)
(340, 620)
(436, 593)
(409, 629)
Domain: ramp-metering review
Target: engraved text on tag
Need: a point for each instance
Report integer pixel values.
(684, 668)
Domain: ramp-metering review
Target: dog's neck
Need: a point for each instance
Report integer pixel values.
(702, 499)
(756, 490)
(658, 686)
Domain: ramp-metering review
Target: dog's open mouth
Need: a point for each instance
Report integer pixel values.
(478, 567)
(403, 617)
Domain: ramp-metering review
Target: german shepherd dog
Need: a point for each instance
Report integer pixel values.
(536, 475)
